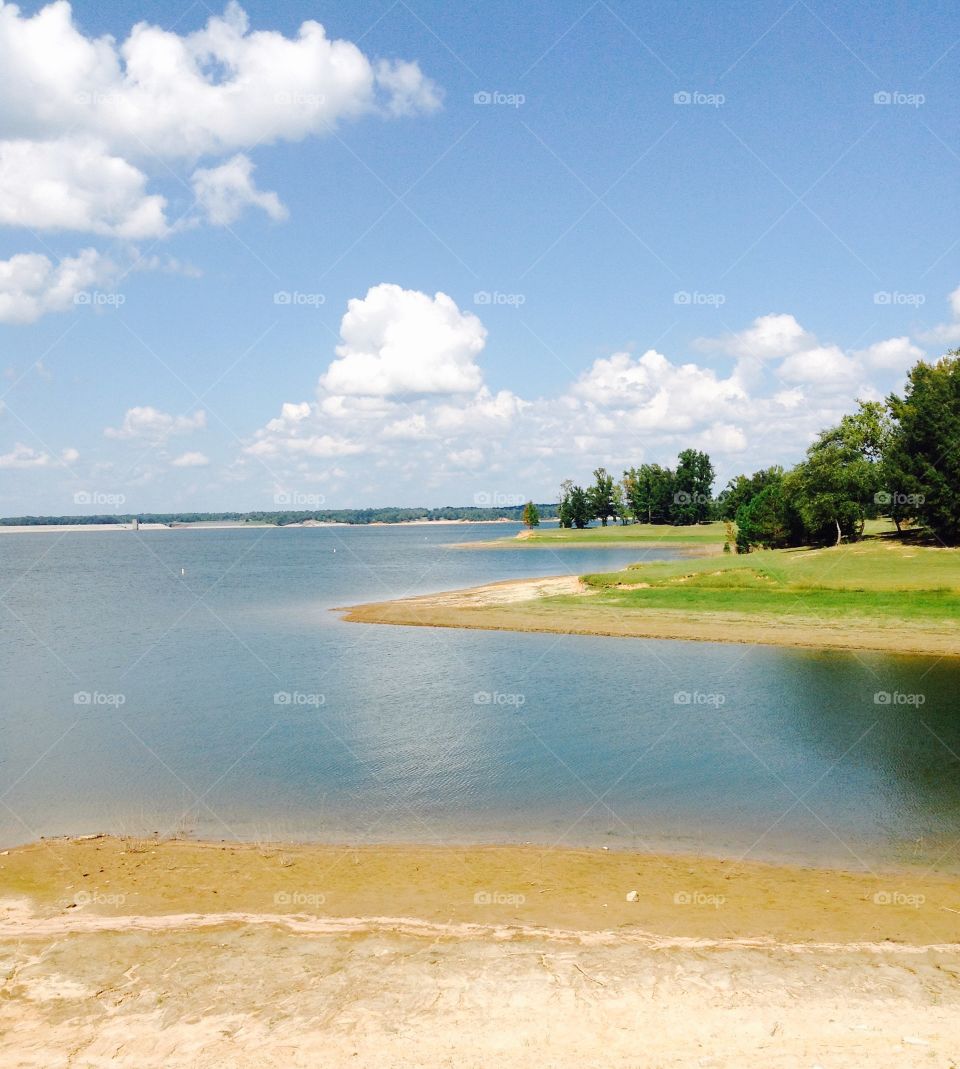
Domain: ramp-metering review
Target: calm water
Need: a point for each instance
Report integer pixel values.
(436, 735)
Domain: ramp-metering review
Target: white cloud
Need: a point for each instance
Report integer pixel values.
(75, 184)
(399, 342)
(24, 457)
(820, 365)
(190, 460)
(213, 91)
(32, 285)
(224, 192)
(150, 425)
(768, 337)
(947, 333)
(896, 354)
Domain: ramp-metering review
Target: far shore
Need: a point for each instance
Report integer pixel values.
(65, 528)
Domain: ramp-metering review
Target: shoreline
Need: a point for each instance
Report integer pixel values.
(525, 605)
(54, 528)
(149, 954)
(103, 882)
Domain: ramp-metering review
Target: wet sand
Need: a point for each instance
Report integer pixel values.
(141, 953)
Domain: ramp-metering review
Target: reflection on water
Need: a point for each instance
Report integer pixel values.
(232, 699)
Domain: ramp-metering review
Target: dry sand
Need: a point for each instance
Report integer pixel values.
(527, 605)
(138, 953)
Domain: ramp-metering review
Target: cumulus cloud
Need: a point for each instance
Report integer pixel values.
(150, 425)
(947, 333)
(32, 285)
(768, 337)
(219, 89)
(895, 354)
(224, 192)
(75, 184)
(190, 460)
(83, 118)
(821, 364)
(399, 342)
(24, 457)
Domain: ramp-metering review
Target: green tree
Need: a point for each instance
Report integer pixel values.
(648, 491)
(563, 509)
(692, 488)
(768, 520)
(601, 496)
(531, 515)
(580, 507)
(921, 462)
(836, 487)
(742, 489)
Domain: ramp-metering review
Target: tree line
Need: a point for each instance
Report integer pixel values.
(898, 458)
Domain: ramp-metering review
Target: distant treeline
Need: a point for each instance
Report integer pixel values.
(355, 516)
(898, 458)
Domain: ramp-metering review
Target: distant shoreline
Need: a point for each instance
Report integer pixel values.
(203, 525)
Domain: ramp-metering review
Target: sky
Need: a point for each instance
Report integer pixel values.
(426, 253)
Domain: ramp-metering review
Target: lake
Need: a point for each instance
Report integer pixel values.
(197, 682)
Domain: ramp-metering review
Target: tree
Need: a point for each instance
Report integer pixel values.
(580, 507)
(531, 515)
(693, 484)
(768, 520)
(563, 509)
(620, 509)
(742, 489)
(601, 496)
(836, 487)
(649, 493)
(921, 461)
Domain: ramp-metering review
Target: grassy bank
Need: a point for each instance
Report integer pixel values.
(879, 594)
(709, 536)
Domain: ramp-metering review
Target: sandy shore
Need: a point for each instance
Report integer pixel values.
(527, 605)
(139, 953)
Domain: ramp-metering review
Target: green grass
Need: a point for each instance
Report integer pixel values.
(697, 534)
(876, 577)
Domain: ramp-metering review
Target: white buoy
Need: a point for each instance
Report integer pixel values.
(183, 572)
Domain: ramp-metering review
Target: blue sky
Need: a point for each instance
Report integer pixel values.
(650, 227)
